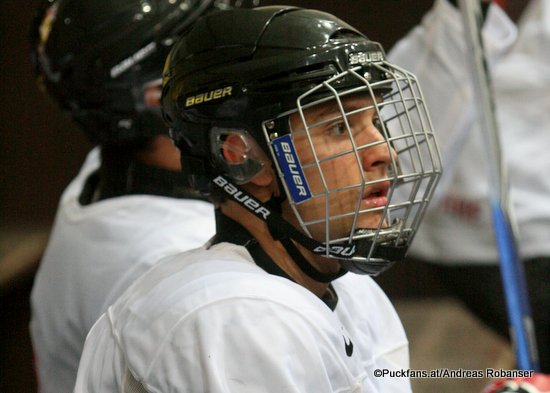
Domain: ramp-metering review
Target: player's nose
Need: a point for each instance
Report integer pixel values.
(375, 151)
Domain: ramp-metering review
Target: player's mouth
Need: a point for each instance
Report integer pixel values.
(376, 195)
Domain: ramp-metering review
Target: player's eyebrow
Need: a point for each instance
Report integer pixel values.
(330, 111)
(321, 112)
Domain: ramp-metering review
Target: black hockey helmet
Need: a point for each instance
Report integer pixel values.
(102, 60)
(254, 70)
(248, 71)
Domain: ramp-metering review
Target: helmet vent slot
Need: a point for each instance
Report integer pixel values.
(344, 34)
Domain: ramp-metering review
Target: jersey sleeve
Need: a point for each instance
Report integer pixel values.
(102, 364)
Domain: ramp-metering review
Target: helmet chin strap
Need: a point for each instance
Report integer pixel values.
(286, 233)
(279, 233)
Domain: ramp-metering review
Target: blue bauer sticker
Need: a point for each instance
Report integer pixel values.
(290, 166)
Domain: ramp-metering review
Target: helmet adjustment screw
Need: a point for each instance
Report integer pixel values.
(270, 125)
(387, 75)
(367, 76)
(273, 136)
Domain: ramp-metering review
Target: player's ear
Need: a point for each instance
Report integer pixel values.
(235, 150)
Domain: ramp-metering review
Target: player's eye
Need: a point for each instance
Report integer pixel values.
(338, 129)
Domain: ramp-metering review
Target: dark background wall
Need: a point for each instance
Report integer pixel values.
(41, 149)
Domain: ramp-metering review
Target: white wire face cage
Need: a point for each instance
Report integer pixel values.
(360, 164)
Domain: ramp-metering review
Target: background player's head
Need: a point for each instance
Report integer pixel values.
(102, 60)
(300, 104)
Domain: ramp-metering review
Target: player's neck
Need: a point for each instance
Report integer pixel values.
(274, 249)
(161, 153)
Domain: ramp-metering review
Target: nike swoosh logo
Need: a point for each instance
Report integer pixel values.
(349, 346)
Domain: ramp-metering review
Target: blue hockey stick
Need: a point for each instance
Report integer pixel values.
(511, 267)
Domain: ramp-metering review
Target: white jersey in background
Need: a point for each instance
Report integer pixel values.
(213, 321)
(458, 226)
(94, 253)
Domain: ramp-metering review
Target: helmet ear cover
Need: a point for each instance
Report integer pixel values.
(207, 151)
(237, 154)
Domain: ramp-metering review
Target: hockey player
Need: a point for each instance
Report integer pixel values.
(102, 61)
(298, 128)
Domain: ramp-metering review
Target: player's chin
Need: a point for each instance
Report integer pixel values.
(343, 228)
(371, 220)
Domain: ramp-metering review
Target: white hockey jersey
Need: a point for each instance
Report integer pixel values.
(213, 321)
(94, 253)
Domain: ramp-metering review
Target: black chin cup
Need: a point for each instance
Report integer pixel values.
(373, 267)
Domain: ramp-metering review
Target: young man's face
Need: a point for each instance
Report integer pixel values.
(336, 181)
